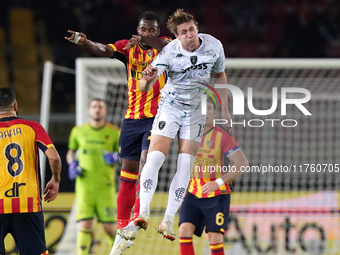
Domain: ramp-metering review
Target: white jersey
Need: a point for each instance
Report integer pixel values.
(187, 70)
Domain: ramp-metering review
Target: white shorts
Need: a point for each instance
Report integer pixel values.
(173, 117)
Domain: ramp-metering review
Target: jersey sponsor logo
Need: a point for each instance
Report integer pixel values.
(179, 193)
(14, 191)
(193, 60)
(143, 63)
(194, 67)
(136, 75)
(161, 125)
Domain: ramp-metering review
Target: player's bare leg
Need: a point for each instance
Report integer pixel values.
(110, 229)
(186, 231)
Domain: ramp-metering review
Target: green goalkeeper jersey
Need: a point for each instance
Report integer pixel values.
(91, 144)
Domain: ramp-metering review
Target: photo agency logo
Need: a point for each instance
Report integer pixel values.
(239, 105)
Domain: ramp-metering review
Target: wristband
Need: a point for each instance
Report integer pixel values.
(219, 181)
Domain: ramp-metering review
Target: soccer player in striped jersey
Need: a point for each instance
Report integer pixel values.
(207, 201)
(93, 148)
(20, 198)
(136, 129)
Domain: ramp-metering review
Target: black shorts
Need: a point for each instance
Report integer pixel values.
(211, 213)
(27, 230)
(135, 137)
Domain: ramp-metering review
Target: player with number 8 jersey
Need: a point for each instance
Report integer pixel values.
(20, 140)
(20, 197)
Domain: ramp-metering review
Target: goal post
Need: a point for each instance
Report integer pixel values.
(114, 73)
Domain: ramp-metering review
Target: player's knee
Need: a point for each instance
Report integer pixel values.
(186, 229)
(110, 229)
(155, 158)
(130, 165)
(215, 237)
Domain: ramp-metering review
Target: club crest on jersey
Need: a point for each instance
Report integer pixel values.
(209, 143)
(161, 125)
(193, 60)
(150, 53)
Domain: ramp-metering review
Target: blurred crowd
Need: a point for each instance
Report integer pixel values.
(246, 28)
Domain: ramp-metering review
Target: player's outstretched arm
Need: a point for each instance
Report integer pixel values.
(239, 161)
(154, 42)
(150, 76)
(52, 187)
(98, 49)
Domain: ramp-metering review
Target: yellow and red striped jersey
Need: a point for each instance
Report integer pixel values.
(141, 104)
(19, 169)
(216, 145)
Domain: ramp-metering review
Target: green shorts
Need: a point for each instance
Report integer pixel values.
(102, 204)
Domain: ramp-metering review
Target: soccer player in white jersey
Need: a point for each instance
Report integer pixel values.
(190, 57)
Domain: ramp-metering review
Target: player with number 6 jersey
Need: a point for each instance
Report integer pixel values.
(206, 204)
(20, 197)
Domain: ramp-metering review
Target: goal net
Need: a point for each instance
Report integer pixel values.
(287, 201)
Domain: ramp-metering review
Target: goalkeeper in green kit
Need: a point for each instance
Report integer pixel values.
(93, 148)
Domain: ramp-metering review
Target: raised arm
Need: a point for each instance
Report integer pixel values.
(150, 76)
(154, 42)
(98, 49)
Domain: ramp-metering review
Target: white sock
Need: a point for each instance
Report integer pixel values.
(149, 178)
(179, 183)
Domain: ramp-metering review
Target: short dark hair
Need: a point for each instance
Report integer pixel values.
(97, 99)
(7, 97)
(149, 15)
(211, 100)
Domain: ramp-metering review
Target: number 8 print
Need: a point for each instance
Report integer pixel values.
(13, 160)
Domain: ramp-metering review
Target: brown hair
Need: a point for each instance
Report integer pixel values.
(211, 100)
(177, 18)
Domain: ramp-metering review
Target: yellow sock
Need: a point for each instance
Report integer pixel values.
(84, 240)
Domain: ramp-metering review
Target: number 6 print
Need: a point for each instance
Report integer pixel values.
(219, 219)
